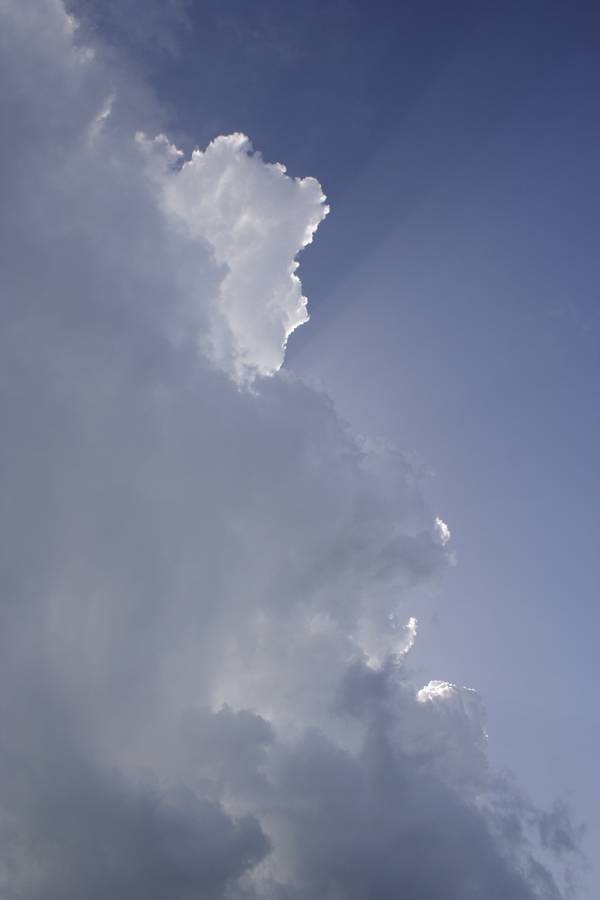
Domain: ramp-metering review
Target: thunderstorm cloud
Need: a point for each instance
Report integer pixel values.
(207, 583)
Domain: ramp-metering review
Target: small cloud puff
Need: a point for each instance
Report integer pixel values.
(442, 531)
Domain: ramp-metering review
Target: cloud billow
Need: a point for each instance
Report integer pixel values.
(207, 581)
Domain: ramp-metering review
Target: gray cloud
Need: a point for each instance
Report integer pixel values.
(70, 829)
(207, 581)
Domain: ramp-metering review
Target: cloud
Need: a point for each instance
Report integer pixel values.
(208, 583)
(70, 829)
(255, 219)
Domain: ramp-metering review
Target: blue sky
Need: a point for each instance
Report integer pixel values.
(209, 578)
(454, 302)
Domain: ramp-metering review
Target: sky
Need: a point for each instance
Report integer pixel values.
(242, 655)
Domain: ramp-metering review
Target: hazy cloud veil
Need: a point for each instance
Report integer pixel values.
(207, 581)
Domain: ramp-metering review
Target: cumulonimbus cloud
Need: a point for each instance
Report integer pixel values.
(207, 581)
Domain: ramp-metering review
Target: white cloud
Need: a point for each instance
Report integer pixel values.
(255, 220)
(197, 577)
(434, 690)
(442, 530)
